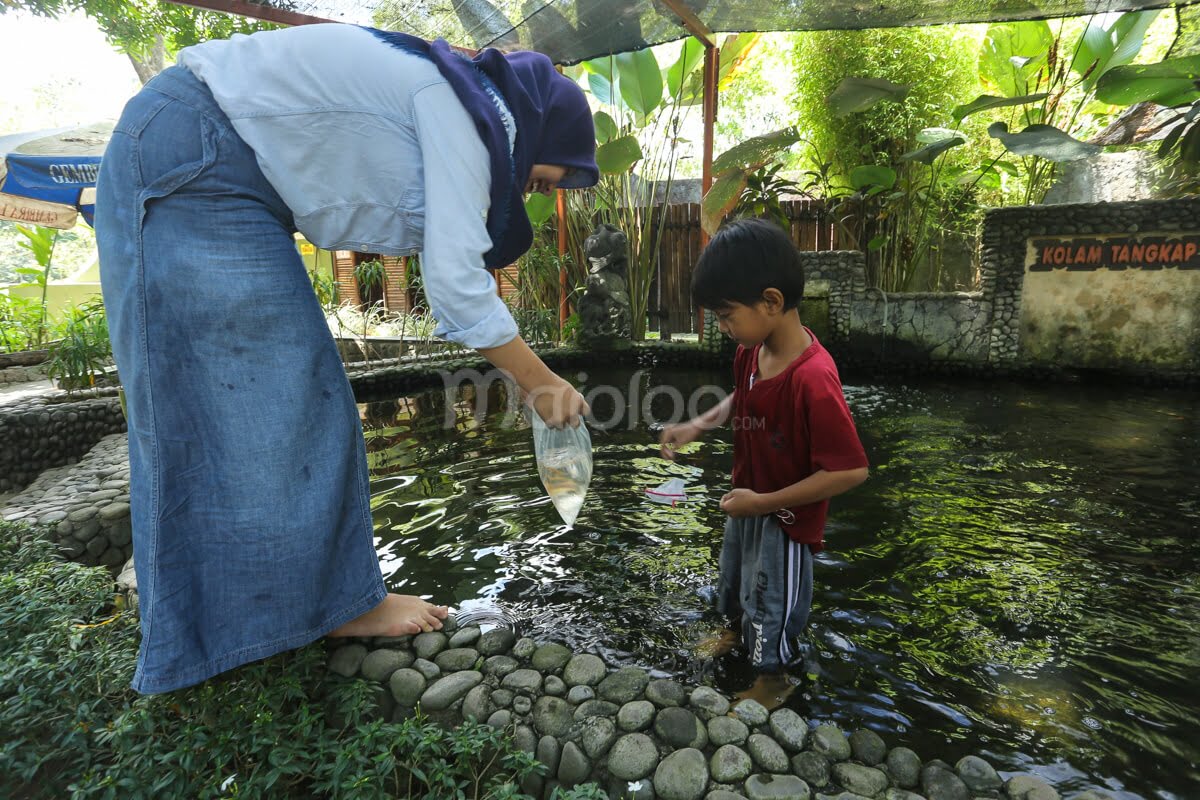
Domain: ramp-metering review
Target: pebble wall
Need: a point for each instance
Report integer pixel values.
(642, 737)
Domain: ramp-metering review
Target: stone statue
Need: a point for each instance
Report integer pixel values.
(604, 317)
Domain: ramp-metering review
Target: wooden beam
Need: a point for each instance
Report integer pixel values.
(266, 13)
(560, 207)
(712, 67)
(690, 21)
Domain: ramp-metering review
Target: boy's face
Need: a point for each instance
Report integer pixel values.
(746, 325)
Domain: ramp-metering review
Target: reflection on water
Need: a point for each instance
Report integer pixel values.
(1018, 579)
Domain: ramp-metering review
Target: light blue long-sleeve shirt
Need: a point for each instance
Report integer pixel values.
(372, 151)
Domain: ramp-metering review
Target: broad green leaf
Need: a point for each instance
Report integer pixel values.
(868, 175)
(1101, 49)
(929, 152)
(931, 135)
(1044, 141)
(617, 156)
(721, 198)
(606, 127)
(693, 89)
(1029, 39)
(755, 151)
(733, 54)
(1006, 166)
(986, 101)
(539, 207)
(987, 179)
(601, 88)
(858, 94)
(690, 56)
(877, 242)
(640, 81)
(1169, 83)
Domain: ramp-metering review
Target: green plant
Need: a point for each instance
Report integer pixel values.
(370, 274)
(40, 242)
(326, 289)
(1050, 82)
(281, 728)
(20, 323)
(760, 198)
(643, 107)
(84, 351)
(1173, 84)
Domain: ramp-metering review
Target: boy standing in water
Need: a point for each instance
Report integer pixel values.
(795, 445)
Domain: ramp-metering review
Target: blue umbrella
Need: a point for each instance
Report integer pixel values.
(49, 177)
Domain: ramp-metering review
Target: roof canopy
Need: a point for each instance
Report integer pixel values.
(570, 31)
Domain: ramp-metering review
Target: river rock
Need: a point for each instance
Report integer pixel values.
(552, 716)
(904, 766)
(679, 727)
(682, 775)
(727, 730)
(584, 669)
(776, 787)
(550, 657)
(767, 753)
(443, 692)
(730, 764)
(978, 775)
(634, 716)
(860, 779)
(789, 729)
(867, 747)
(829, 741)
(623, 686)
(664, 693)
(406, 686)
(495, 642)
(632, 757)
(456, 659)
(709, 702)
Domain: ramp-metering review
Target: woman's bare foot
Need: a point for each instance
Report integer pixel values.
(397, 615)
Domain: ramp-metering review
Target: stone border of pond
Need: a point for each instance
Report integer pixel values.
(641, 738)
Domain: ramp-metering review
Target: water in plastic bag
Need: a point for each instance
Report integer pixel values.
(564, 459)
(669, 493)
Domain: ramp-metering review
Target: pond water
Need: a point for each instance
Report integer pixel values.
(1018, 578)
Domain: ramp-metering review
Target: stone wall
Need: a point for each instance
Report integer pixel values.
(47, 431)
(640, 737)
(913, 326)
(1100, 317)
(10, 375)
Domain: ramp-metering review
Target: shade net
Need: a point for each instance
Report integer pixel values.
(570, 31)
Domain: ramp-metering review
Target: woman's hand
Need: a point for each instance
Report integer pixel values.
(558, 403)
(676, 436)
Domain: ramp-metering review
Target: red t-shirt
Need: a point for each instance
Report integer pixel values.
(787, 427)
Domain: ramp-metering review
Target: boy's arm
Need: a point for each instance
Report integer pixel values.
(821, 485)
(675, 436)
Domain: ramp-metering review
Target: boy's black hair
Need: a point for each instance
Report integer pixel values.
(743, 260)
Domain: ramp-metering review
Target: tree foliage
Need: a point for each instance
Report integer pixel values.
(937, 64)
(148, 31)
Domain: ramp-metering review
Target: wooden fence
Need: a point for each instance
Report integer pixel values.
(681, 245)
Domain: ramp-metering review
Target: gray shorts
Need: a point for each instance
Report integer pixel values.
(766, 582)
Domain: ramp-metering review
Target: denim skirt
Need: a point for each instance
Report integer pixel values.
(248, 477)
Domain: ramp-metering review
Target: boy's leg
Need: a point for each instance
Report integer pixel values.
(777, 594)
(729, 603)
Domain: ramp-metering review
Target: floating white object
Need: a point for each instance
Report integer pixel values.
(670, 493)
(564, 459)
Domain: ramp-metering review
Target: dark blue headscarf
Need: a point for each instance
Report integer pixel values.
(554, 126)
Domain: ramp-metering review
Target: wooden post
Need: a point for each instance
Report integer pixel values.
(560, 203)
(712, 63)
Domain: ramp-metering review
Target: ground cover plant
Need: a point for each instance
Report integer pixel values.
(281, 728)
